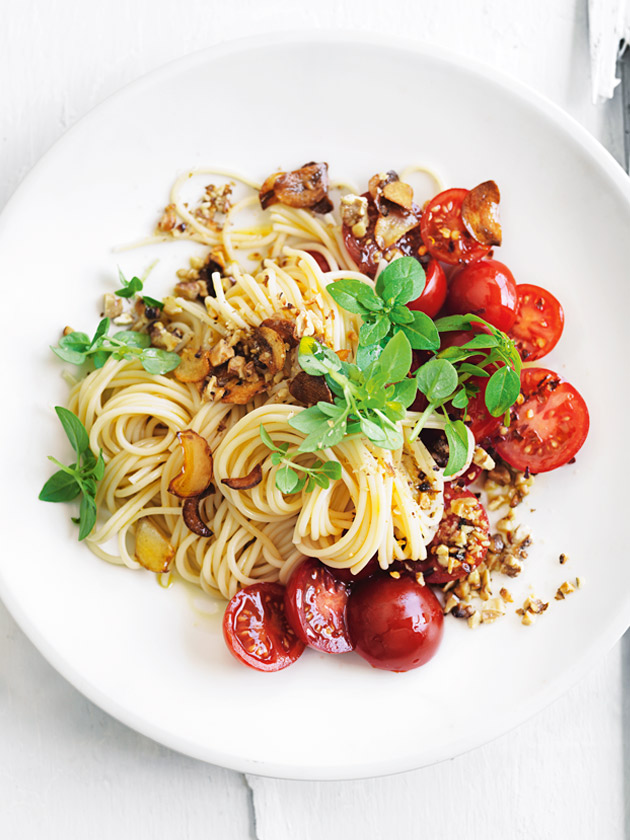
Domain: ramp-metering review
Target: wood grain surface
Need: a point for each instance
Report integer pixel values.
(69, 770)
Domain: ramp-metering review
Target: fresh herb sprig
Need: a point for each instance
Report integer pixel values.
(288, 478)
(78, 347)
(370, 401)
(133, 287)
(383, 311)
(80, 478)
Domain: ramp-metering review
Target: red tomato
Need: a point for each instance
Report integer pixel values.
(481, 423)
(472, 474)
(539, 322)
(256, 629)
(434, 293)
(315, 604)
(461, 507)
(371, 568)
(366, 253)
(550, 426)
(443, 230)
(484, 288)
(395, 624)
(320, 259)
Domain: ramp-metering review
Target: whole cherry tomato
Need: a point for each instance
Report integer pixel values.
(484, 288)
(395, 623)
(434, 293)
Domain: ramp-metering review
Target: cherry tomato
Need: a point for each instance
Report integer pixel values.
(481, 423)
(366, 253)
(371, 568)
(549, 427)
(443, 230)
(466, 549)
(484, 288)
(395, 623)
(472, 474)
(256, 629)
(434, 293)
(315, 603)
(539, 322)
(320, 259)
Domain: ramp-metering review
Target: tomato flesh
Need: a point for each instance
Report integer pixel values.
(549, 427)
(461, 508)
(539, 322)
(256, 629)
(443, 231)
(315, 603)
(484, 288)
(395, 623)
(434, 293)
(371, 568)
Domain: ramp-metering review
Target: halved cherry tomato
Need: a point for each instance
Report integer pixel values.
(315, 603)
(434, 293)
(256, 629)
(549, 427)
(472, 474)
(371, 568)
(395, 623)
(443, 230)
(466, 549)
(366, 253)
(484, 288)
(539, 322)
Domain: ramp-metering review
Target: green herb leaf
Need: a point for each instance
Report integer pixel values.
(100, 357)
(130, 338)
(367, 355)
(67, 354)
(460, 400)
(101, 330)
(437, 379)
(474, 370)
(316, 358)
(150, 301)
(79, 341)
(400, 314)
(332, 469)
(159, 361)
(74, 429)
(372, 332)
(502, 389)
(87, 516)
(353, 294)
(287, 480)
(401, 281)
(457, 437)
(405, 391)
(309, 420)
(422, 333)
(60, 487)
(394, 362)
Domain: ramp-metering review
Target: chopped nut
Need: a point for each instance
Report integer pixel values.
(395, 575)
(451, 603)
(354, 214)
(474, 620)
(112, 306)
(220, 353)
(482, 459)
(527, 619)
(505, 594)
(563, 559)
(420, 579)
(168, 219)
(162, 338)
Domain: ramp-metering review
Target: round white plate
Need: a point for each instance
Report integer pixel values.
(149, 656)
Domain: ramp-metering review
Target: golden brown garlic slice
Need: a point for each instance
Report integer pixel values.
(480, 213)
(194, 365)
(153, 550)
(308, 389)
(192, 515)
(196, 473)
(245, 482)
(240, 393)
(285, 328)
(306, 187)
(267, 349)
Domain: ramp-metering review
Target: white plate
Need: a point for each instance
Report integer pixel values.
(147, 655)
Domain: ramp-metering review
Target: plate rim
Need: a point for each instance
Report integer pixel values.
(616, 624)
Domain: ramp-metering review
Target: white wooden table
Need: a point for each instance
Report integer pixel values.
(67, 769)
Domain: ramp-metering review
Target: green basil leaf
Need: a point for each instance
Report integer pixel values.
(287, 480)
(422, 333)
(400, 314)
(79, 341)
(60, 487)
(309, 420)
(475, 370)
(99, 468)
(324, 437)
(100, 357)
(332, 469)
(405, 391)
(321, 479)
(457, 437)
(502, 389)
(350, 293)
(481, 342)
(316, 358)
(101, 330)
(132, 339)
(453, 322)
(158, 361)
(276, 458)
(149, 301)
(74, 429)
(367, 355)
(394, 362)
(67, 354)
(401, 281)
(331, 409)
(437, 379)
(460, 400)
(87, 516)
(372, 333)
(131, 288)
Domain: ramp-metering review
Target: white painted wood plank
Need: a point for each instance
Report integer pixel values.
(69, 770)
(557, 776)
(74, 770)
